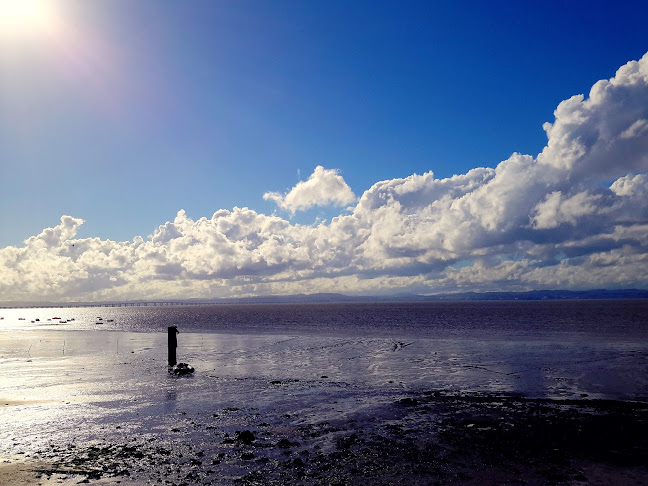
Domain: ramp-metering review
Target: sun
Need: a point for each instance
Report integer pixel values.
(21, 17)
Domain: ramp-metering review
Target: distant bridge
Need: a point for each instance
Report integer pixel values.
(101, 304)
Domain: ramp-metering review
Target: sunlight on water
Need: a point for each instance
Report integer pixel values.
(71, 370)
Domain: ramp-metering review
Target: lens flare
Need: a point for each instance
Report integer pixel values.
(21, 17)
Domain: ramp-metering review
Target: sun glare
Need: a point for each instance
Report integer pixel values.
(20, 17)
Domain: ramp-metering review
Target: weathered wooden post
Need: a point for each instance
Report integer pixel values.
(173, 344)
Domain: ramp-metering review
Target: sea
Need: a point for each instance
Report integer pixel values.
(554, 349)
(486, 320)
(87, 375)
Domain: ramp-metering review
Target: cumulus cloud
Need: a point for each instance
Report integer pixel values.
(553, 220)
(556, 209)
(631, 185)
(324, 187)
(53, 237)
(604, 134)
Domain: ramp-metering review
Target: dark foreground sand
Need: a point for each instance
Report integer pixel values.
(433, 437)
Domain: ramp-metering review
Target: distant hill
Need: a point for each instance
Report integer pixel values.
(403, 297)
(545, 295)
(464, 296)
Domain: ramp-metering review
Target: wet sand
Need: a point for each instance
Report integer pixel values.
(426, 438)
(77, 409)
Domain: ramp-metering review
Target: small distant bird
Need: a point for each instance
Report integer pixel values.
(399, 344)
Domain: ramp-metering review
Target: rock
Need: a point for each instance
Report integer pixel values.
(345, 443)
(285, 444)
(408, 401)
(245, 437)
(181, 369)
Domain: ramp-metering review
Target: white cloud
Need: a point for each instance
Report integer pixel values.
(636, 185)
(556, 209)
(636, 129)
(52, 237)
(604, 134)
(324, 187)
(532, 222)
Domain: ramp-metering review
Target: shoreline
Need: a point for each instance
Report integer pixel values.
(429, 437)
(100, 407)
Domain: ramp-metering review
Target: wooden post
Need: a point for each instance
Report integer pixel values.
(173, 344)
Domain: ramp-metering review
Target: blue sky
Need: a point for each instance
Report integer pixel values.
(125, 112)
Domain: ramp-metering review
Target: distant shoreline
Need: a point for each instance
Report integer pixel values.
(321, 298)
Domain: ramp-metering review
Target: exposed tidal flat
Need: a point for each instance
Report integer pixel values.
(481, 393)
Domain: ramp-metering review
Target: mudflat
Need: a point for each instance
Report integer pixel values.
(432, 437)
(101, 408)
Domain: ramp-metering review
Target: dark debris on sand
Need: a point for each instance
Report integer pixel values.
(427, 438)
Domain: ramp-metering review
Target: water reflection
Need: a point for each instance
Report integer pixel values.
(42, 364)
(170, 400)
(539, 369)
(122, 377)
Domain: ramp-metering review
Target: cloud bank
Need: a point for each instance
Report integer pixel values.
(575, 216)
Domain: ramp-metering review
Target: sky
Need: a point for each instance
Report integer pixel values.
(154, 150)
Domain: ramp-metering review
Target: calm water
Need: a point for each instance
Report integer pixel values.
(83, 375)
(560, 349)
(514, 320)
(600, 319)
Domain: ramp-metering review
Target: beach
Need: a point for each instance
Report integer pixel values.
(511, 393)
(100, 407)
(432, 438)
